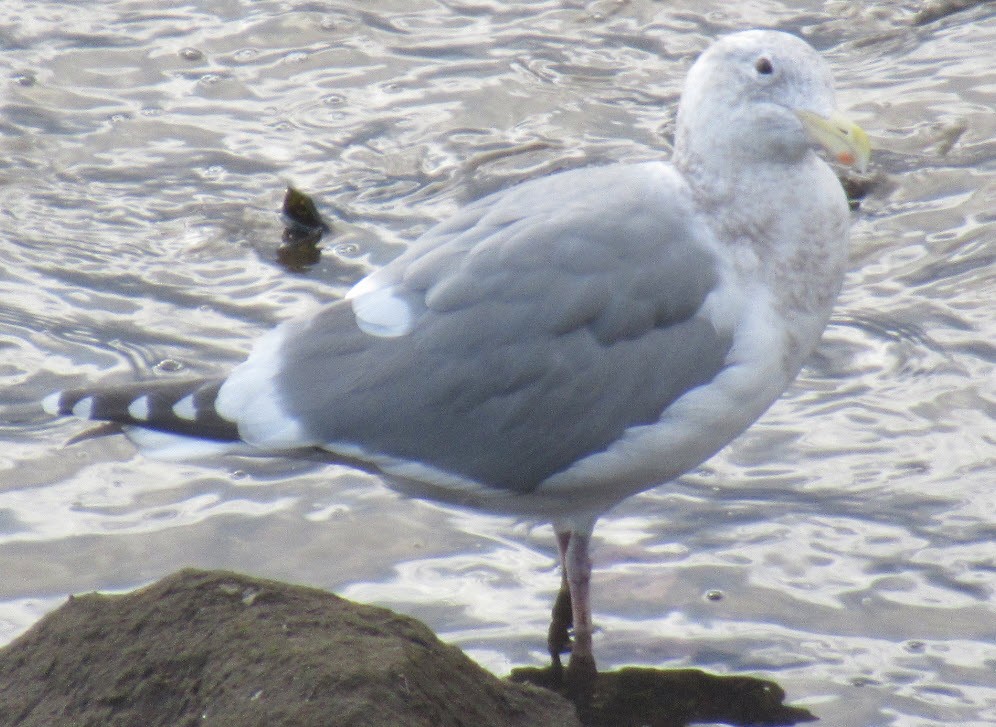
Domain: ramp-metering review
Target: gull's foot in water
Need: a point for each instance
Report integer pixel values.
(579, 683)
(558, 638)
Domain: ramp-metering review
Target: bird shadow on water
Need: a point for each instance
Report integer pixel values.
(674, 697)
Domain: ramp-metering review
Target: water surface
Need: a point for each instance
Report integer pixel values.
(844, 547)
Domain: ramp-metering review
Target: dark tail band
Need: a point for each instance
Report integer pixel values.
(181, 407)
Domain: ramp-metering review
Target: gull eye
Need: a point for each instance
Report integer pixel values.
(763, 66)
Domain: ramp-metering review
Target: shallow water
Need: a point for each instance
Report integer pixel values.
(843, 548)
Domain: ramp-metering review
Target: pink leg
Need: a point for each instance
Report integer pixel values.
(563, 540)
(578, 569)
(581, 669)
(573, 606)
(558, 638)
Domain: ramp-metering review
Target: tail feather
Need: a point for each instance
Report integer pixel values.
(175, 407)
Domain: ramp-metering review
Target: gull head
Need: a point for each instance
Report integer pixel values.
(762, 96)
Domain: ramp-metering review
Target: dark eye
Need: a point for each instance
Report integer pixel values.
(763, 65)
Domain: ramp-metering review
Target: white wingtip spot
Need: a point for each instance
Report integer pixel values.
(381, 313)
(139, 409)
(83, 408)
(184, 409)
(50, 404)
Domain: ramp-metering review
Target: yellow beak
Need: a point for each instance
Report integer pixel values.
(842, 138)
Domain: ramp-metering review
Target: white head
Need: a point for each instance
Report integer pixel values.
(762, 96)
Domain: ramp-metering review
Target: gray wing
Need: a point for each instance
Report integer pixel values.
(542, 323)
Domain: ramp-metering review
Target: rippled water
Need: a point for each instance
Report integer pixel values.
(845, 547)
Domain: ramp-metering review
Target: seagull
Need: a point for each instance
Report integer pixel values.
(557, 347)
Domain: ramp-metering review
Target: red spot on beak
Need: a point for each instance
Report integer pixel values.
(846, 157)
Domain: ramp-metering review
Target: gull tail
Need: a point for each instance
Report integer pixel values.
(174, 419)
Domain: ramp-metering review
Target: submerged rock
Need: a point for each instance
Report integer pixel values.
(303, 230)
(223, 649)
(638, 697)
